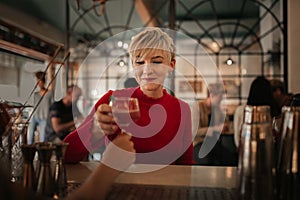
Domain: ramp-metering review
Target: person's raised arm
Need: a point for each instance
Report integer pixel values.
(87, 137)
(58, 126)
(99, 182)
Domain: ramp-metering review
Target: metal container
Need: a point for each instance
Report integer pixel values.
(60, 174)
(29, 178)
(45, 182)
(288, 164)
(257, 114)
(256, 171)
(17, 138)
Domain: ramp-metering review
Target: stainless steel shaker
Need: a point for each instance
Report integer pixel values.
(45, 183)
(288, 165)
(17, 139)
(256, 169)
(29, 178)
(60, 174)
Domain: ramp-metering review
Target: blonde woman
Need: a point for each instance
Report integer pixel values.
(163, 134)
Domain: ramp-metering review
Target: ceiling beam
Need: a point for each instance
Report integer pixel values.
(31, 25)
(8, 46)
(145, 14)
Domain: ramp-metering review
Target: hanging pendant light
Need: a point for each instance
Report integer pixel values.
(229, 61)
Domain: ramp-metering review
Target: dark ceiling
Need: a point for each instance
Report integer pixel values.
(54, 11)
(207, 10)
(51, 11)
(200, 19)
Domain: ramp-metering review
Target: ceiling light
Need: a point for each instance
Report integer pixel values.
(229, 61)
(121, 63)
(244, 71)
(120, 44)
(125, 45)
(215, 46)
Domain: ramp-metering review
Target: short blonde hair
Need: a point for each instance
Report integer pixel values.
(149, 40)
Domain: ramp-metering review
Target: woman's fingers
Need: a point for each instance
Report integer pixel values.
(108, 128)
(105, 119)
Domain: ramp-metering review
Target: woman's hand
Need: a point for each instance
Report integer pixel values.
(103, 119)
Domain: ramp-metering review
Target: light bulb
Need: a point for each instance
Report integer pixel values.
(120, 44)
(229, 61)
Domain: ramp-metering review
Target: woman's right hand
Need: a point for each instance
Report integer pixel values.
(103, 119)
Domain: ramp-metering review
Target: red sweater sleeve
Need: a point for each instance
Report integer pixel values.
(187, 156)
(82, 141)
(74, 155)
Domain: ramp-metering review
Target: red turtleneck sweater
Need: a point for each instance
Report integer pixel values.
(162, 135)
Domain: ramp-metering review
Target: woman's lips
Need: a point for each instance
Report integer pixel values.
(148, 80)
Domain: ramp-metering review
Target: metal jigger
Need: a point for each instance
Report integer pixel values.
(256, 170)
(45, 184)
(17, 139)
(60, 176)
(29, 178)
(288, 166)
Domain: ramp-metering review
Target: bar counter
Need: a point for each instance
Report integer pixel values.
(173, 175)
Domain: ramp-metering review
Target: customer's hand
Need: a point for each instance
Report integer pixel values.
(104, 120)
(118, 156)
(120, 153)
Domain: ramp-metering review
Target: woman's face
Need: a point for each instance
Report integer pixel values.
(41, 84)
(151, 69)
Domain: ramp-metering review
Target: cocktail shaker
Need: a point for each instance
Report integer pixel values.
(256, 169)
(29, 178)
(288, 164)
(45, 183)
(60, 174)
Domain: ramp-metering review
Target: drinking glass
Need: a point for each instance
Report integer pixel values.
(125, 110)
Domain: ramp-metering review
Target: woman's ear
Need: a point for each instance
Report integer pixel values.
(173, 63)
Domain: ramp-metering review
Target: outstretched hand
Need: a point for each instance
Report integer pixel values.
(118, 156)
(120, 153)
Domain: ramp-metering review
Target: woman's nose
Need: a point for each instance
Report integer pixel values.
(147, 68)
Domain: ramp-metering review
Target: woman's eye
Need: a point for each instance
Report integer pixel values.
(139, 62)
(157, 62)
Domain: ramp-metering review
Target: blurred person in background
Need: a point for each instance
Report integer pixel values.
(280, 95)
(63, 115)
(295, 100)
(39, 117)
(260, 94)
(208, 108)
(213, 130)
